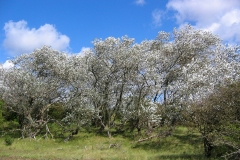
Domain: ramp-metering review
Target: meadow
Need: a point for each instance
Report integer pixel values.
(182, 144)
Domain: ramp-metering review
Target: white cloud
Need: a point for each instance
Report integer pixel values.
(8, 64)
(222, 17)
(140, 2)
(157, 16)
(84, 50)
(21, 39)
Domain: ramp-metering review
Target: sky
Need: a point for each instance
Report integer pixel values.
(71, 25)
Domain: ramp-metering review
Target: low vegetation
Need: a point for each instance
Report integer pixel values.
(183, 144)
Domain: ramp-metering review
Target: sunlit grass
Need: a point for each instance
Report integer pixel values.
(181, 145)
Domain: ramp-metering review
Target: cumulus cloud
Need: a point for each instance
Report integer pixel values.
(8, 64)
(84, 50)
(221, 17)
(157, 16)
(140, 2)
(22, 39)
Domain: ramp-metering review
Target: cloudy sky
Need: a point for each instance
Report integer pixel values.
(71, 25)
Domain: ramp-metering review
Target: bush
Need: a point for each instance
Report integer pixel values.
(217, 119)
(8, 140)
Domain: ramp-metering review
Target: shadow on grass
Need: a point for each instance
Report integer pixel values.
(150, 145)
(172, 142)
(180, 156)
(190, 139)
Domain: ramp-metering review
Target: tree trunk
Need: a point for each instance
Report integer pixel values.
(207, 147)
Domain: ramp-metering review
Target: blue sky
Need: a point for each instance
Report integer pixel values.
(71, 25)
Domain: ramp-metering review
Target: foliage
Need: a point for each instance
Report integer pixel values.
(30, 88)
(217, 119)
(57, 112)
(1, 110)
(8, 140)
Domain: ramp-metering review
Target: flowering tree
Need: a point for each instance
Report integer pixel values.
(31, 87)
(112, 66)
(77, 102)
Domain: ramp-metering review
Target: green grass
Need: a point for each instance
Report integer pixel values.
(89, 146)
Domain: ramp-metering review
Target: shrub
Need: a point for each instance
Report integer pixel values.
(8, 140)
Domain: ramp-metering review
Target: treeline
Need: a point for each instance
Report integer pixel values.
(187, 77)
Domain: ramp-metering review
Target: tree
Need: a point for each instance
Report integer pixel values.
(217, 119)
(112, 66)
(31, 87)
(172, 59)
(118, 79)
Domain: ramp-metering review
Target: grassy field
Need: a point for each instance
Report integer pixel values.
(89, 146)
